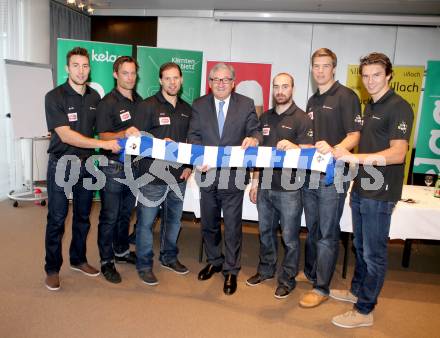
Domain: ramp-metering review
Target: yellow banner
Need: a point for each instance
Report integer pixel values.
(406, 81)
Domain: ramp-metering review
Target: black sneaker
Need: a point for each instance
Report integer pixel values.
(128, 258)
(281, 292)
(176, 266)
(110, 273)
(148, 277)
(256, 279)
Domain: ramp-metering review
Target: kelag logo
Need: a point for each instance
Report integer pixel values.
(103, 57)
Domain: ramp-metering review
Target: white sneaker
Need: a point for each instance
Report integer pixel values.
(343, 295)
(352, 319)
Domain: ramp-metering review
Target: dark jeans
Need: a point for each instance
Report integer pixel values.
(279, 208)
(58, 206)
(170, 212)
(212, 201)
(323, 210)
(117, 203)
(371, 227)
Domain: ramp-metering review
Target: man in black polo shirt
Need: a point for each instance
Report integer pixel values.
(166, 116)
(70, 116)
(335, 112)
(388, 121)
(114, 117)
(279, 203)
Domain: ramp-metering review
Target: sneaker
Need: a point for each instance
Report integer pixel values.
(352, 319)
(86, 269)
(52, 282)
(257, 279)
(110, 273)
(148, 277)
(128, 258)
(176, 266)
(343, 295)
(312, 299)
(282, 292)
(301, 277)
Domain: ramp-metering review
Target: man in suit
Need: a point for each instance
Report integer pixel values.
(223, 118)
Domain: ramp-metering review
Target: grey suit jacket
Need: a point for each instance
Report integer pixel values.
(241, 122)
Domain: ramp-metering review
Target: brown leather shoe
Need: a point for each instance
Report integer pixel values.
(53, 282)
(312, 299)
(86, 269)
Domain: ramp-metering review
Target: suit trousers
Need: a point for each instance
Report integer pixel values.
(212, 201)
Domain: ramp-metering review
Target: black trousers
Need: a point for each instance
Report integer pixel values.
(212, 201)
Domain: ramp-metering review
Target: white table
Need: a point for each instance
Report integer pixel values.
(420, 220)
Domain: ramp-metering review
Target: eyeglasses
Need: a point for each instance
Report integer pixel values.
(225, 80)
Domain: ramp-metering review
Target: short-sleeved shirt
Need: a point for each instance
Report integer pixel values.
(160, 118)
(65, 107)
(115, 112)
(389, 118)
(334, 113)
(293, 125)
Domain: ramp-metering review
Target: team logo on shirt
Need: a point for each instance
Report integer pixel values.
(319, 158)
(310, 133)
(72, 117)
(266, 131)
(164, 121)
(310, 113)
(358, 120)
(125, 116)
(403, 127)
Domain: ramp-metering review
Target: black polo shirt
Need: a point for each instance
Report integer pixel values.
(115, 113)
(158, 117)
(293, 125)
(334, 113)
(390, 118)
(65, 107)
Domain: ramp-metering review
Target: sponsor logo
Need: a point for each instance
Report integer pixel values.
(286, 127)
(375, 117)
(184, 115)
(92, 108)
(72, 117)
(326, 107)
(163, 121)
(125, 116)
(403, 127)
(71, 108)
(266, 131)
(103, 57)
(358, 120)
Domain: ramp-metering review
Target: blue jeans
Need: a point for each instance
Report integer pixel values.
(279, 208)
(117, 203)
(371, 227)
(170, 213)
(323, 209)
(58, 206)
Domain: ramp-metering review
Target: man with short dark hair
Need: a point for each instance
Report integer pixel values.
(279, 204)
(165, 116)
(114, 118)
(335, 112)
(70, 116)
(223, 118)
(388, 121)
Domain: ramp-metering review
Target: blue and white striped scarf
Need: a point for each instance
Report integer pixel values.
(230, 156)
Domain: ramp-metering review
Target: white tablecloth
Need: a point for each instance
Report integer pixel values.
(420, 220)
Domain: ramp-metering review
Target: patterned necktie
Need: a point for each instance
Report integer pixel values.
(221, 117)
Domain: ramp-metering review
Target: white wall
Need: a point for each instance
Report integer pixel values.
(288, 46)
(36, 47)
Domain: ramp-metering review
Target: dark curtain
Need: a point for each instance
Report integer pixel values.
(66, 23)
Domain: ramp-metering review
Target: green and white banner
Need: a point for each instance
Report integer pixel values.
(427, 158)
(151, 58)
(102, 57)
